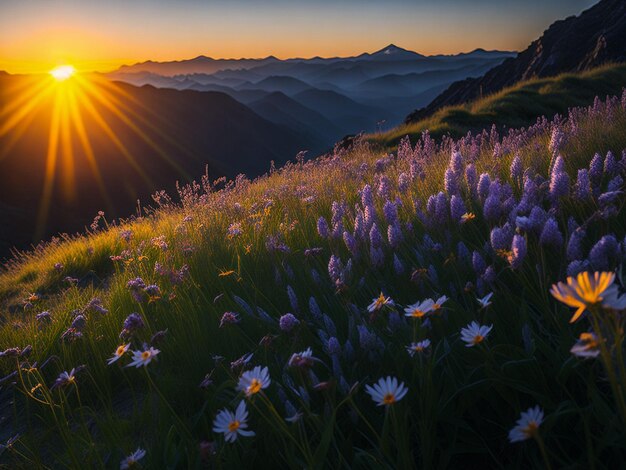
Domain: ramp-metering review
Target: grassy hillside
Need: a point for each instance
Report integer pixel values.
(516, 106)
(255, 273)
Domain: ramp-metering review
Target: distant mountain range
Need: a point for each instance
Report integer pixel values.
(360, 93)
(595, 37)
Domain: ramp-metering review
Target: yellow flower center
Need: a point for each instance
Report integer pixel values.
(380, 301)
(120, 350)
(145, 355)
(233, 426)
(418, 348)
(478, 339)
(531, 428)
(254, 387)
(389, 399)
(417, 313)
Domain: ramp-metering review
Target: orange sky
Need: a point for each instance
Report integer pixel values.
(36, 35)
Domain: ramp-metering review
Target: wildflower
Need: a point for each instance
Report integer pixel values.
(65, 378)
(485, 301)
(419, 309)
(143, 358)
(437, 304)
(387, 391)
(43, 317)
(527, 425)
(518, 251)
(322, 228)
(253, 381)
(458, 211)
(241, 362)
(551, 235)
(232, 424)
(133, 459)
(119, 352)
(559, 180)
(586, 346)
(288, 322)
(379, 303)
(418, 348)
(132, 323)
(474, 333)
(583, 291)
(302, 359)
(229, 318)
(234, 230)
(604, 253)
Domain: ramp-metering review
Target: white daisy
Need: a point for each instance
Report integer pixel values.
(475, 333)
(379, 303)
(527, 425)
(418, 348)
(586, 346)
(143, 358)
(437, 304)
(485, 301)
(253, 381)
(119, 352)
(133, 459)
(387, 391)
(231, 424)
(419, 309)
(302, 359)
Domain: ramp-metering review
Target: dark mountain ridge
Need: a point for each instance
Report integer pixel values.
(595, 37)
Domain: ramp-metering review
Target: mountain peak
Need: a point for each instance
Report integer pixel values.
(390, 49)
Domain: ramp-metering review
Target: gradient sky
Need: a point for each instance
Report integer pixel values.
(36, 35)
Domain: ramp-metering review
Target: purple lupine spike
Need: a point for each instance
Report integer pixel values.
(403, 182)
(576, 267)
(390, 210)
(384, 187)
(315, 310)
(398, 267)
(611, 167)
(450, 182)
(457, 208)
(518, 251)
(516, 169)
(377, 257)
(551, 235)
(394, 235)
(575, 245)
(463, 253)
(456, 163)
(489, 276)
(557, 140)
(369, 217)
(333, 346)
(484, 186)
(351, 244)
(441, 208)
(293, 299)
(360, 230)
(604, 253)
(596, 169)
(376, 239)
(322, 228)
(582, 190)
(471, 178)
(616, 184)
(559, 180)
(335, 268)
(491, 208)
(501, 237)
(478, 263)
(337, 230)
(367, 197)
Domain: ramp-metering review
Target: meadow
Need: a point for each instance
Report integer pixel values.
(362, 310)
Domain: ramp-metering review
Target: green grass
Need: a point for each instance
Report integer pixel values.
(514, 107)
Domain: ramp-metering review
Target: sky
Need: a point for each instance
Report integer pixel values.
(36, 35)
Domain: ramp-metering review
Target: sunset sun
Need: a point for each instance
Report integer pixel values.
(62, 72)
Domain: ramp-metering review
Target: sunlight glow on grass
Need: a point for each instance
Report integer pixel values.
(62, 72)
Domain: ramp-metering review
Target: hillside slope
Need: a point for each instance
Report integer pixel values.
(516, 106)
(595, 37)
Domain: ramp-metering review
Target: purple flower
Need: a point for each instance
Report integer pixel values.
(293, 298)
(391, 212)
(604, 253)
(132, 323)
(403, 182)
(43, 317)
(377, 257)
(384, 187)
(335, 268)
(451, 183)
(471, 178)
(518, 251)
(376, 239)
(333, 346)
(351, 244)
(582, 190)
(288, 322)
(501, 237)
(457, 208)
(576, 267)
(229, 318)
(367, 198)
(322, 228)
(136, 284)
(551, 235)
(478, 263)
(615, 184)
(484, 185)
(596, 169)
(575, 245)
(491, 209)
(611, 166)
(394, 234)
(441, 208)
(456, 162)
(79, 322)
(559, 180)
(398, 267)
(516, 169)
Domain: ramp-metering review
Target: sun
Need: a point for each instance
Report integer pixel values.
(62, 72)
